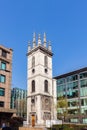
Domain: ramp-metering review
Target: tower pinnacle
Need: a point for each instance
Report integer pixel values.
(44, 39)
(39, 40)
(34, 39)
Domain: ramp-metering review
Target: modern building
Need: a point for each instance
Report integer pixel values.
(40, 89)
(73, 86)
(19, 101)
(5, 82)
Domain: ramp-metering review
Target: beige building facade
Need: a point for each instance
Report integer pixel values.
(5, 82)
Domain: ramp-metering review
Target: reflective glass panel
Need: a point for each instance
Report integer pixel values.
(72, 78)
(2, 91)
(2, 78)
(83, 75)
(3, 66)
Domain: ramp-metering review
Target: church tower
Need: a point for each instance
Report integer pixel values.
(39, 82)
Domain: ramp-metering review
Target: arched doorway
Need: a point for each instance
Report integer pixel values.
(33, 120)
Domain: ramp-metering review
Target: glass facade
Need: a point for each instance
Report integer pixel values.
(73, 86)
(19, 101)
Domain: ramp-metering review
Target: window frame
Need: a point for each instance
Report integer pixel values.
(4, 53)
(46, 86)
(1, 104)
(2, 91)
(3, 65)
(33, 86)
(45, 61)
(33, 61)
(4, 78)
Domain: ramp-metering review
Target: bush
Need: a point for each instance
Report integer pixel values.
(16, 121)
(69, 127)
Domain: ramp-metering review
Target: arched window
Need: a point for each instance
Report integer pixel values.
(33, 61)
(46, 86)
(33, 86)
(45, 61)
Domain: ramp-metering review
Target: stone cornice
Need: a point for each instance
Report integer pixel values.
(39, 94)
(6, 49)
(34, 76)
(42, 48)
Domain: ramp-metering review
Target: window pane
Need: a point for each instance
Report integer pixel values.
(3, 66)
(4, 53)
(83, 83)
(72, 93)
(2, 78)
(83, 91)
(75, 85)
(1, 104)
(83, 75)
(2, 91)
(84, 102)
(60, 81)
(72, 78)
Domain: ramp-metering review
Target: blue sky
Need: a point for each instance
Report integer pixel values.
(65, 24)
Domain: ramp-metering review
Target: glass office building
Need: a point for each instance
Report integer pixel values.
(73, 86)
(19, 101)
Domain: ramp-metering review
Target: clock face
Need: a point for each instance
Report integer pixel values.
(46, 101)
(47, 104)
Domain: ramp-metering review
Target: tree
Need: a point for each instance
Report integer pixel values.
(62, 108)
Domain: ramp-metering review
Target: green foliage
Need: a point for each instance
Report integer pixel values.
(62, 102)
(69, 127)
(62, 106)
(64, 126)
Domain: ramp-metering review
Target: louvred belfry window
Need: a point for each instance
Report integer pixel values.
(33, 86)
(45, 61)
(46, 86)
(33, 61)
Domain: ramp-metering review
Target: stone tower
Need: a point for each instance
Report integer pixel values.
(39, 82)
